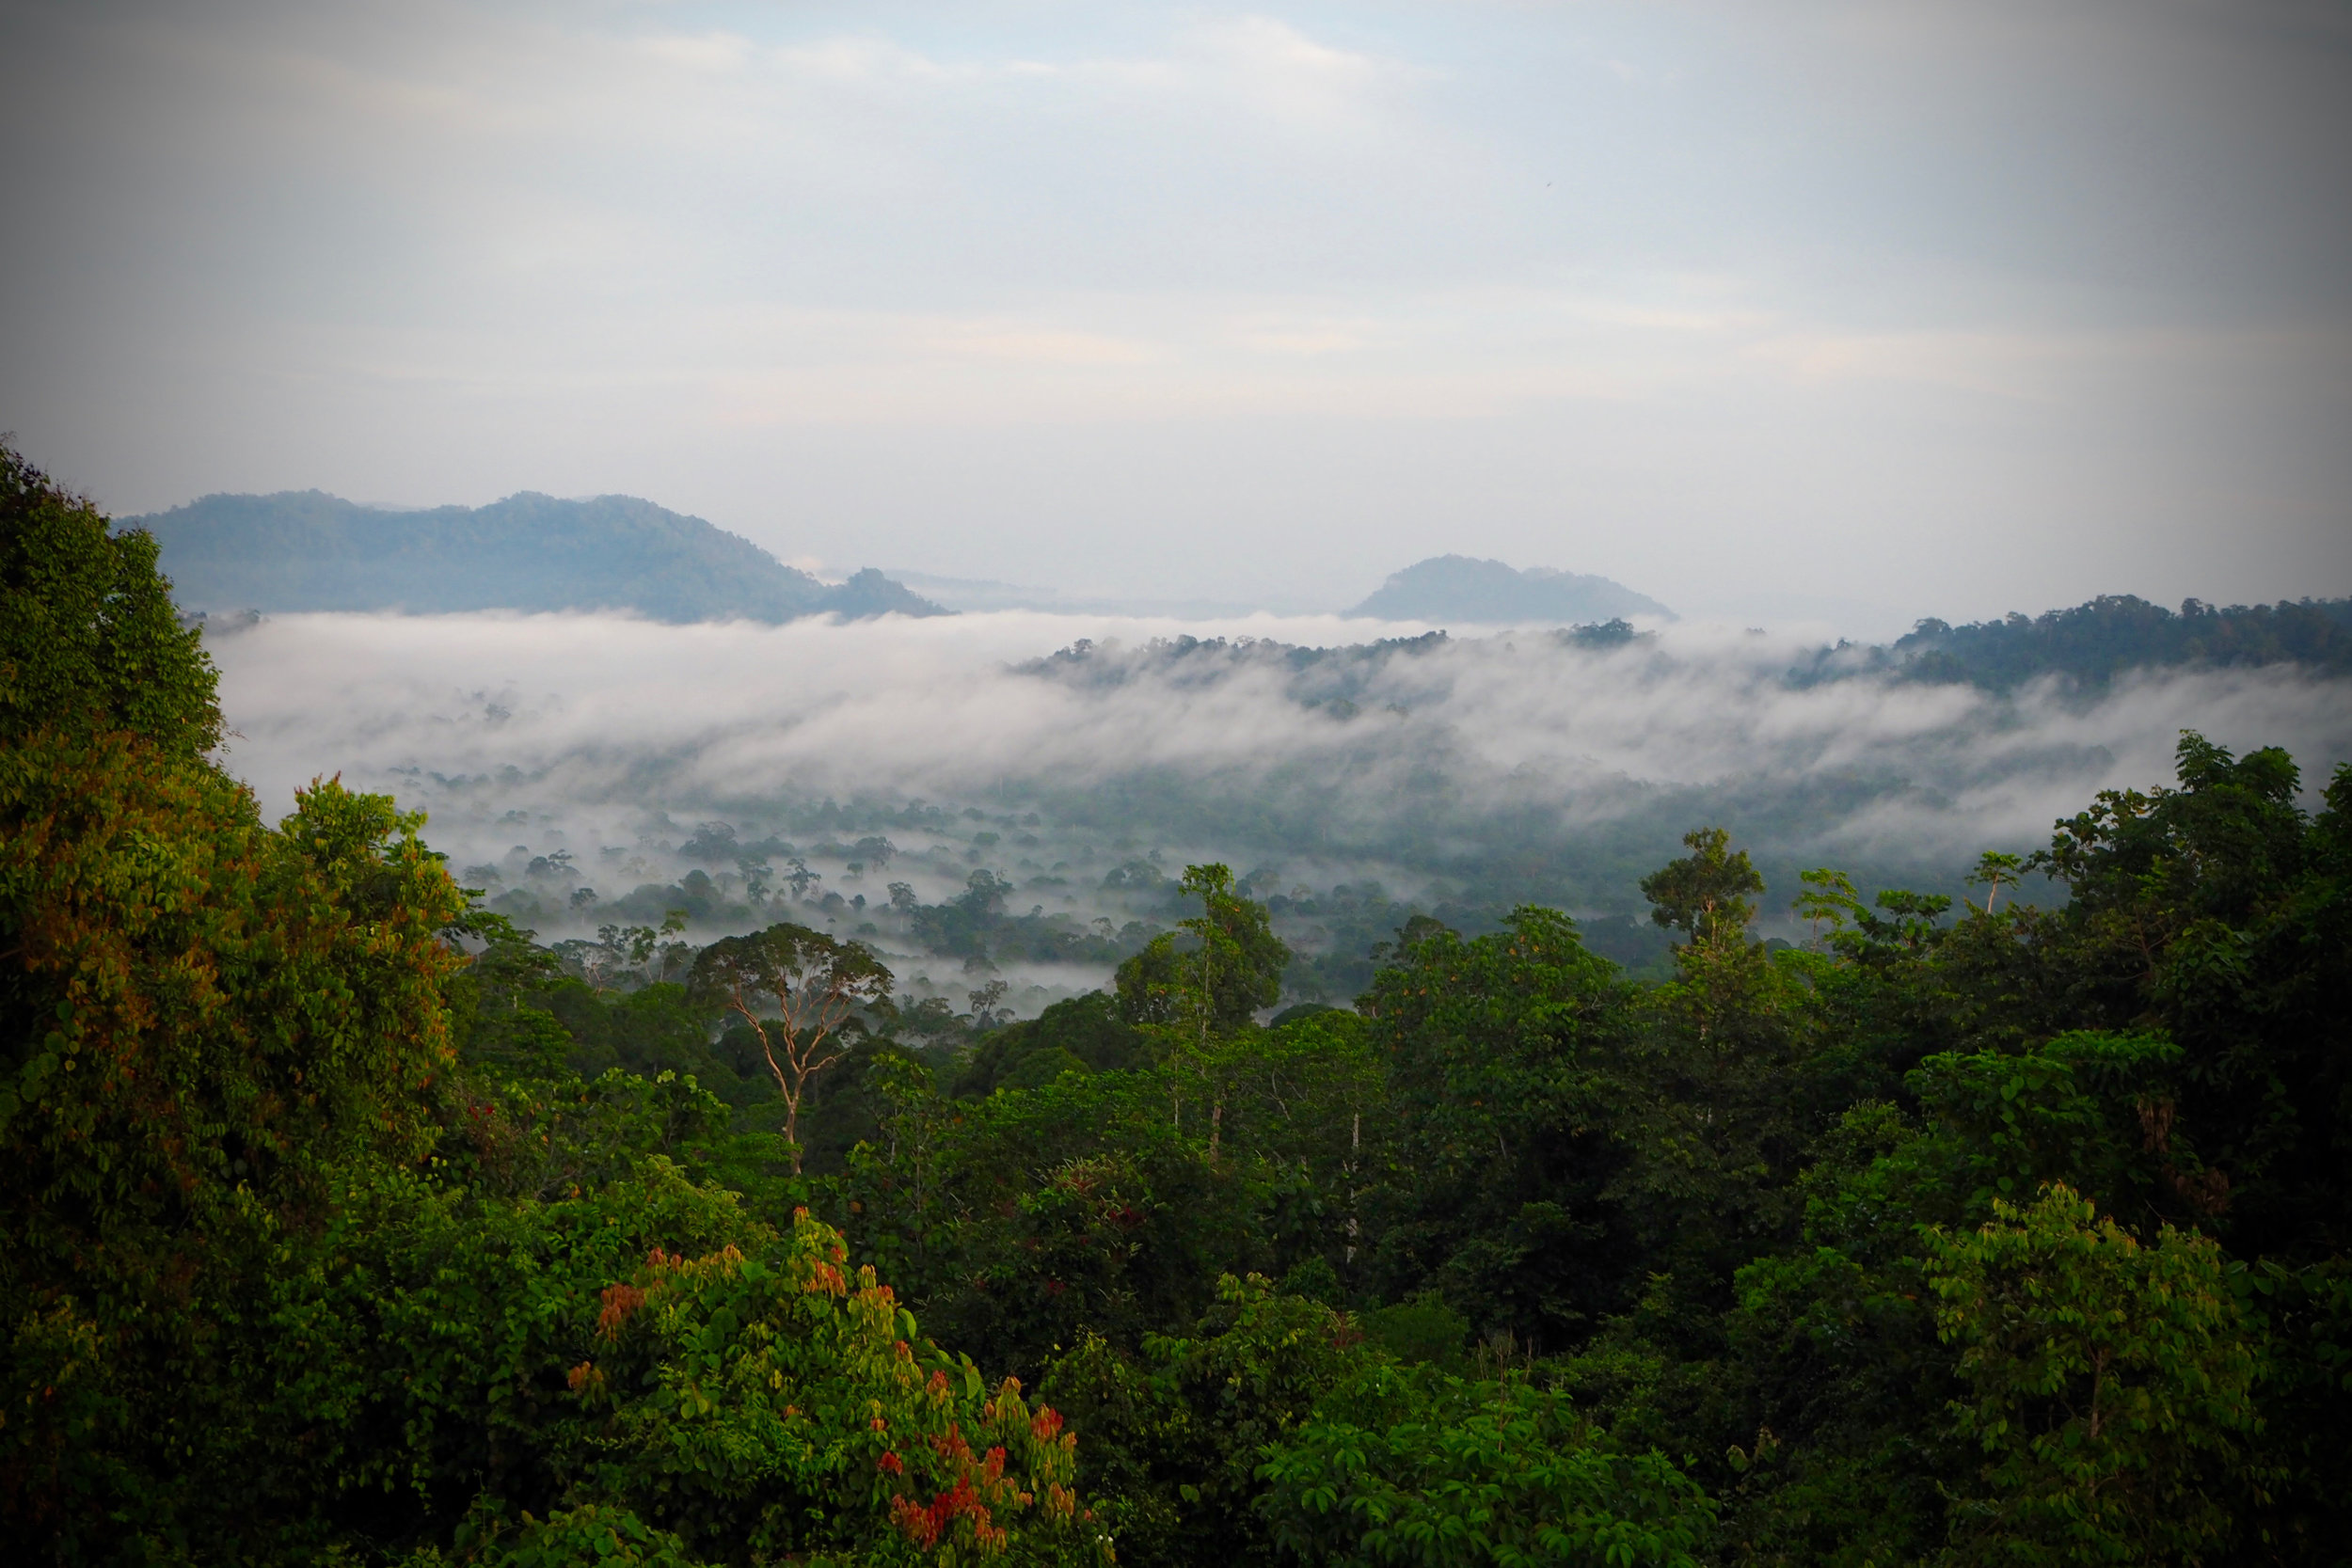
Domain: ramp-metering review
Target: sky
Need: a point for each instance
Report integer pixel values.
(1841, 313)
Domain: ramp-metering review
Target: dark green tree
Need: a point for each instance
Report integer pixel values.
(1704, 895)
(1217, 980)
(1504, 1118)
(89, 638)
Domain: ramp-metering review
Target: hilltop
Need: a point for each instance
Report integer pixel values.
(308, 550)
(1459, 588)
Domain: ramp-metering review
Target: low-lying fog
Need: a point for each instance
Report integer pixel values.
(569, 752)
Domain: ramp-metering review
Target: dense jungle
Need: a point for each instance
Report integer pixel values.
(348, 1223)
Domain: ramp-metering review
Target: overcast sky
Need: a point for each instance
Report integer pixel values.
(1863, 311)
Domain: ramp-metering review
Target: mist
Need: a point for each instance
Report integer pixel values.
(1444, 771)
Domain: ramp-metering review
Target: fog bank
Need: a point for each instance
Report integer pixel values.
(1513, 765)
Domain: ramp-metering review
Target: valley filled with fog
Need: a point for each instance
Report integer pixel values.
(591, 769)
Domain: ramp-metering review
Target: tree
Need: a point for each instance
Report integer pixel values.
(1198, 998)
(1704, 895)
(88, 639)
(1507, 1127)
(637, 946)
(1174, 1432)
(2219, 915)
(1714, 1064)
(813, 984)
(1415, 1468)
(1232, 968)
(985, 1005)
(1995, 871)
(2112, 1385)
(645, 1348)
(756, 872)
(202, 1022)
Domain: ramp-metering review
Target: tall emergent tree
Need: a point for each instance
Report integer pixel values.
(1212, 984)
(1704, 895)
(795, 989)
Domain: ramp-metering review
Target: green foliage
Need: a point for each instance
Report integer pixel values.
(207, 1011)
(88, 639)
(1418, 1468)
(1024, 1220)
(1084, 1031)
(794, 988)
(1174, 1431)
(2218, 915)
(206, 1020)
(2095, 642)
(1422, 1327)
(2301, 1320)
(589, 1533)
(1718, 1075)
(1232, 966)
(1502, 1117)
(1111, 1202)
(745, 1391)
(2091, 1108)
(1704, 895)
(2110, 1387)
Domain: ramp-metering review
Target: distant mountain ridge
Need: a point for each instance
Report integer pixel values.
(308, 550)
(1461, 588)
(2094, 643)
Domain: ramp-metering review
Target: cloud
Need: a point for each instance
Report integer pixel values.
(1287, 74)
(1849, 301)
(1510, 765)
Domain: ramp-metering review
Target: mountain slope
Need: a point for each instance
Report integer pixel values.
(2095, 642)
(303, 550)
(1458, 588)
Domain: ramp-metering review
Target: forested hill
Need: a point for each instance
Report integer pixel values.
(2089, 643)
(2095, 642)
(301, 550)
(1458, 588)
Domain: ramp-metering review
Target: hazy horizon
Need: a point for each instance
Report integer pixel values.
(1832, 314)
(1824, 620)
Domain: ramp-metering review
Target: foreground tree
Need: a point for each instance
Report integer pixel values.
(1508, 1124)
(2111, 1387)
(89, 643)
(1416, 1468)
(202, 1021)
